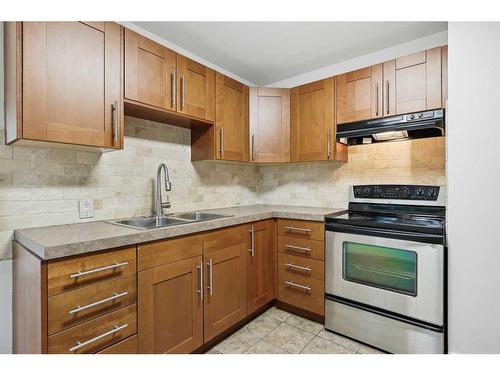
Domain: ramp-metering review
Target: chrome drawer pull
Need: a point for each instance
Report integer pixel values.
(210, 285)
(291, 265)
(292, 284)
(290, 229)
(252, 240)
(299, 248)
(82, 344)
(83, 273)
(113, 297)
(200, 291)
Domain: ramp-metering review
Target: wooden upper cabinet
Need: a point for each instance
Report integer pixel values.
(359, 94)
(231, 119)
(170, 307)
(261, 264)
(196, 89)
(413, 83)
(150, 70)
(65, 82)
(269, 125)
(312, 123)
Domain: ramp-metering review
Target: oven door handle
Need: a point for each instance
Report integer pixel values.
(386, 233)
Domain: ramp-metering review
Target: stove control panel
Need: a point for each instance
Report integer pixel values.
(405, 192)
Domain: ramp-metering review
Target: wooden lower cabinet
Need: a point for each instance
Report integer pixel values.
(225, 300)
(261, 264)
(127, 346)
(171, 308)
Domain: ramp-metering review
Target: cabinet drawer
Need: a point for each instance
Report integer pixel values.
(92, 336)
(313, 230)
(305, 292)
(69, 274)
(80, 305)
(295, 265)
(127, 346)
(222, 238)
(301, 247)
(168, 251)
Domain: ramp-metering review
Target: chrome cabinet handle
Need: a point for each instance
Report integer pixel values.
(114, 110)
(200, 291)
(328, 144)
(376, 99)
(112, 298)
(183, 90)
(210, 285)
(112, 266)
(300, 248)
(221, 144)
(252, 236)
(291, 265)
(82, 344)
(297, 229)
(173, 89)
(253, 147)
(387, 95)
(295, 285)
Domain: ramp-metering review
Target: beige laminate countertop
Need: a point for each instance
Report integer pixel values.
(71, 239)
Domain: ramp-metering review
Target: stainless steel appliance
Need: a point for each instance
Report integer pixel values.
(385, 268)
(412, 125)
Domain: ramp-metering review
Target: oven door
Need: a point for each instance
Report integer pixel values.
(399, 276)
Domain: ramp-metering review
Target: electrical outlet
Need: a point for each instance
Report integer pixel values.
(86, 208)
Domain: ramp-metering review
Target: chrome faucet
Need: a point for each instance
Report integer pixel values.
(159, 205)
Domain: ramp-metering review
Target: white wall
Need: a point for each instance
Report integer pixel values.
(473, 187)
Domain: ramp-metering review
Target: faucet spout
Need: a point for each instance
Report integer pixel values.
(159, 205)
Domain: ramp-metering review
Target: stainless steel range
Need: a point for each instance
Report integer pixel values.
(386, 267)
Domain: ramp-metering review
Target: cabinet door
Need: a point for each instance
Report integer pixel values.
(225, 293)
(261, 264)
(269, 125)
(418, 82)
(149, 72)
(171, 307)
(312, 120)
(72, 83)
(196, 89)
(231, 119)
(359, 94)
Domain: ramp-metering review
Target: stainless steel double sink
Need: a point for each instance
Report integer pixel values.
(152, 222)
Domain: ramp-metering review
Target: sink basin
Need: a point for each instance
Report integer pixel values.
(149, 222)
(198, 216)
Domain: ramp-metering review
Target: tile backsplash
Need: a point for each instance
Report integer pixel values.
(42, 186)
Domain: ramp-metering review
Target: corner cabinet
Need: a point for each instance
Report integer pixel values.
(64, 83)
(312, 123)
(269, 125)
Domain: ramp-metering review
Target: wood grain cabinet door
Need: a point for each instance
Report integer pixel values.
(195, 89)
(312, 122)
(171, 307)
(269, 125)
(359, 94)
(231, 119)
(72, 82)
(150, 70)
(261, 264)
(417, 83)
(225, 302)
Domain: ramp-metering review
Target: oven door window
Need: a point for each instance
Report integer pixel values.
(380, 267)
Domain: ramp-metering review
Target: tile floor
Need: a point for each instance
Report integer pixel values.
(280, 332)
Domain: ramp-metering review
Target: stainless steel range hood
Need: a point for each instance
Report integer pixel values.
(410, 126)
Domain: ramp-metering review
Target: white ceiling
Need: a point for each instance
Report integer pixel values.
(267, 52)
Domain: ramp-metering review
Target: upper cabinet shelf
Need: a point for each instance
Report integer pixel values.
(407, 84)
(161, 85)
(63, 83)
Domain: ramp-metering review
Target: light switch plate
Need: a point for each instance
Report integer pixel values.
(86, 207)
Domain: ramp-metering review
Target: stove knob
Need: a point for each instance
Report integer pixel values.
(366, 191)
(420, 192)
(357, 191)
(432, 193)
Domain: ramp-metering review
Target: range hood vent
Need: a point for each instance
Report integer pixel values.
(396, 128)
